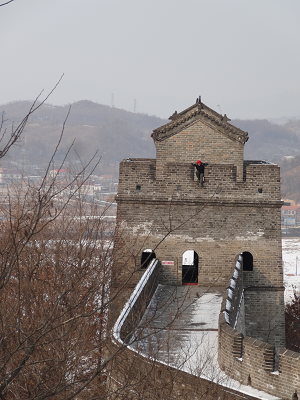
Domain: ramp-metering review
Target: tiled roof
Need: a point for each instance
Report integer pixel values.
(199, 111)
(290, 208)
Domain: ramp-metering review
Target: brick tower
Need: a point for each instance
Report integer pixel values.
(197, 233)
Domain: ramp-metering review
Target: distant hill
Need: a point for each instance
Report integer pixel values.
(279, 144)
(293, 126)
(290, 178)
(118, 134)
(268, 141)
(115, 133)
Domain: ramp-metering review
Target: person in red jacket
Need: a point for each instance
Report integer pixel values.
(200, 171)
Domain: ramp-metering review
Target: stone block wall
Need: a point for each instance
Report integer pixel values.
(139, 179)
(219, 222)
(134, 377)
(264, 315)
(249, 359)
(256, 365)
(224, 218)
(171, 228)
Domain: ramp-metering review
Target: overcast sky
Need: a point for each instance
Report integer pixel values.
(241, 56)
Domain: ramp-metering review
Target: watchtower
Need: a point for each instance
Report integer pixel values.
(197, 233)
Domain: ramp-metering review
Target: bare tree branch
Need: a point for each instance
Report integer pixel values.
(4, 4)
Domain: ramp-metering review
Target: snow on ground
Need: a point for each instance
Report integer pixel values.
(291, 266)
(180, 328)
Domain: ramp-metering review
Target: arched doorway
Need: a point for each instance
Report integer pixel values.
(190, 268)
(147, 256)
(247, 261)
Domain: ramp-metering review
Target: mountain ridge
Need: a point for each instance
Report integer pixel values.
(119, 134)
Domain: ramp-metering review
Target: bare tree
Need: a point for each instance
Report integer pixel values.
(56, 268)
(54, 280)
(8, 139)
(292, 323)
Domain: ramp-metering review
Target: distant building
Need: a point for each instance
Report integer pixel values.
(87, 187)
(8, 176)
(290, 215)
(60, 174)
(33, 179)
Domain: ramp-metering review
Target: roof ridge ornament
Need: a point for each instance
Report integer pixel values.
(198, 110)
(174, 116)
(225, 118)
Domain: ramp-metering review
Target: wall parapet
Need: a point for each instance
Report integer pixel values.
(232, 301)
(135, 307)
(139, 177)
(250, 360)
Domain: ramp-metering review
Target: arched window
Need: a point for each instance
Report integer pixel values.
(190, 268)
(147, 256)
(247, 261)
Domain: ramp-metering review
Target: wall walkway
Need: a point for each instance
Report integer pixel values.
(173, 345)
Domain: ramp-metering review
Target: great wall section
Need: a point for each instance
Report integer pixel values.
(232, 228)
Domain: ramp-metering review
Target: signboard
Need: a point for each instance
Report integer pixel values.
(167, 263)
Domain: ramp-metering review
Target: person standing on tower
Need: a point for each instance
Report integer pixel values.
(200, 171)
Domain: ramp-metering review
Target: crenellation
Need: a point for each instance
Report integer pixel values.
(220, 181)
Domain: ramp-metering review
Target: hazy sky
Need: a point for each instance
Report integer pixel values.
(241, 56)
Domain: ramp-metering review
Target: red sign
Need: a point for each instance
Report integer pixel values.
(167, 263)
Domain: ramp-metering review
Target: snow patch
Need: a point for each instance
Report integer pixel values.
(228, 305)
(142, 229)
(291, 267)
(232, 283)
(226, 315)
(254, 236)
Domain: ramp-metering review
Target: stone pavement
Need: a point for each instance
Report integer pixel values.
(180, 328)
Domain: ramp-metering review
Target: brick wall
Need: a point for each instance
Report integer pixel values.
(248, 359)
(223, 220)
(134, 377)
(178, 179)
(199, 141)
(264, 314)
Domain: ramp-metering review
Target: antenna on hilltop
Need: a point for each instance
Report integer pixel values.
(134, 105)
(112, 100)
